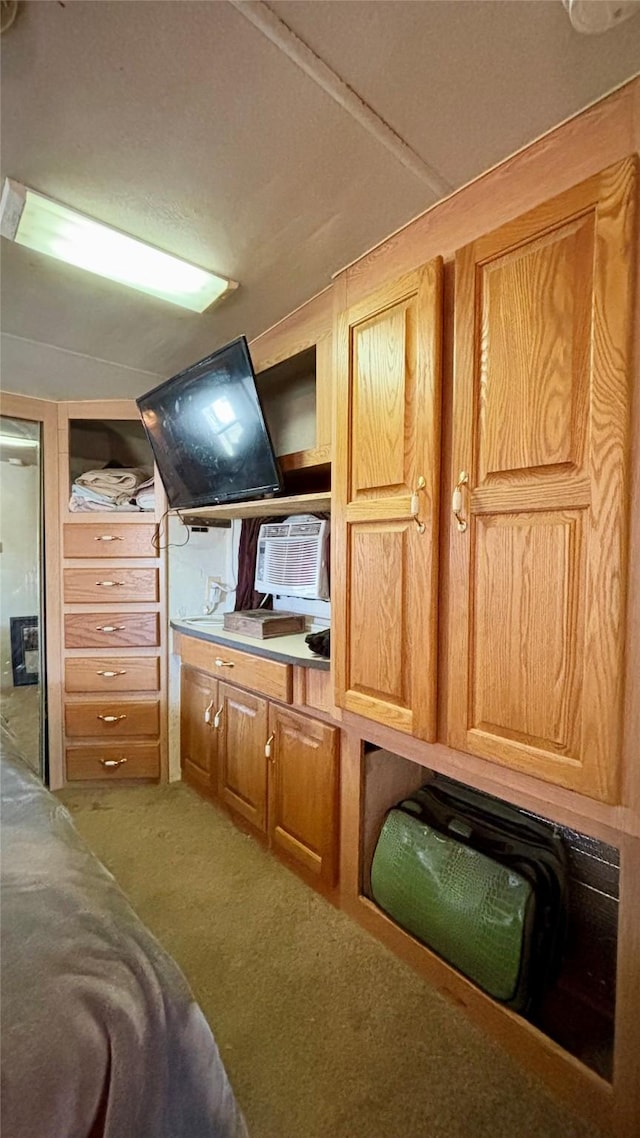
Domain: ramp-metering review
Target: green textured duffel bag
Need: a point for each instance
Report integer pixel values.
(496, 916)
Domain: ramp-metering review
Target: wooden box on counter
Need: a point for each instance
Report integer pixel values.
(263, 624)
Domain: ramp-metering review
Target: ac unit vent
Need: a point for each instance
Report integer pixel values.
(292, 558)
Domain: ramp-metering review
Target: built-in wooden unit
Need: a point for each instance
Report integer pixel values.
(539, 576)
(541, 414)
(273, 767)
(385, 517)
(485, 568)
(113, 627)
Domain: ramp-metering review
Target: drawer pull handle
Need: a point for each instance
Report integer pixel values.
(267, 747)
(110, 627)
(107, 537)
(111, 763)
(207, 711)
(110, 675)
(111, 718)
(109, 584)
(218, 717)
(220, 663)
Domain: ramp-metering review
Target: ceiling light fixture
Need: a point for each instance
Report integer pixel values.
(31, 219)
(17, 441)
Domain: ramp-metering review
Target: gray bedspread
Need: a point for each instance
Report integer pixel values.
(101, 1036)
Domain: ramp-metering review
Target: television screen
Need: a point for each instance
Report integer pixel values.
(208, 434)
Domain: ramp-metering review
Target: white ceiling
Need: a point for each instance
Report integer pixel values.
(180, 122)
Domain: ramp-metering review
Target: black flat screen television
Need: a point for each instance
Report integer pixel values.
(208, 434)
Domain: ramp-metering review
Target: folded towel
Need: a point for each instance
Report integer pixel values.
(83, 506)
(145, 497)
(119, 485)
(146, 500)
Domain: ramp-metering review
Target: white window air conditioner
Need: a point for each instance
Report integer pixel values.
(292, 558)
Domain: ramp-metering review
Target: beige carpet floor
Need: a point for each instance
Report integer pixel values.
(324, 1033)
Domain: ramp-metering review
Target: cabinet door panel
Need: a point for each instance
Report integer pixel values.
(539, 427)
(242, 734)
(197, 741)
(303, 791)
(385, 520)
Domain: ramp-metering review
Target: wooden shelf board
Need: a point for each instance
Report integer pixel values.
(264, 508)
(303, 459)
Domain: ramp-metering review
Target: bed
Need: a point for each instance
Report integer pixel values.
(101, 1037)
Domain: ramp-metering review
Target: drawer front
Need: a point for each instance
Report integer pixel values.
(113, 761)
(270, 677)
(117, 585)
(109, 540)
(108, 718)
(112, 630)
(117, 673)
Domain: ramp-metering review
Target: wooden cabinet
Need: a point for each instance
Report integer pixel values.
(303, 791)
(197, 745)
(111, 623)
(536, 600)
(273, 768)
(385, 520)
(241, 726)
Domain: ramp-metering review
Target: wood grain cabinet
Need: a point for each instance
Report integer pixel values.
(273, 768)
(537, 570)
(303, 791)
(241, 723)
(113, 702)
(385, 516)
(197, 745)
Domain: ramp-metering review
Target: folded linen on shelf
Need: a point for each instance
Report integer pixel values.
(117, 484)
(82, 501)
(145, 497)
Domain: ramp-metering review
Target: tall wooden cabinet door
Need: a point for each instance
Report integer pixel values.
(385, 517)
(197, 744)
(540, 458)
(242, 734)
(303, 791)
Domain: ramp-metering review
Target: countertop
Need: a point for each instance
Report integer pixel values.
(288, 649)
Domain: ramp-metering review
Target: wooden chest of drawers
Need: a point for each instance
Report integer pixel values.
(112, 637)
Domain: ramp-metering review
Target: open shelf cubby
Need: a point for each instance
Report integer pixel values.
(96, 443)
(578, 1011)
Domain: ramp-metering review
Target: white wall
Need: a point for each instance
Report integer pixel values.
(204, 555)
(210, 554)
(19, 559)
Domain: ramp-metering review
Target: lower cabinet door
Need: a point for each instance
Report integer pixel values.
(197, 739)
(303, 791)
(242, 722)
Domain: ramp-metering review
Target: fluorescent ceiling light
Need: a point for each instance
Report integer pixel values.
(17, 441)
(31, 219)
